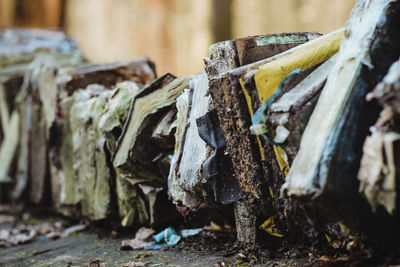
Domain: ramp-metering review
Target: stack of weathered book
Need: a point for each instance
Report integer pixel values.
(63, 136)
(284, 131)
(285, 127)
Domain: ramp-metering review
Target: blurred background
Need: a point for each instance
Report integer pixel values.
(175, 34)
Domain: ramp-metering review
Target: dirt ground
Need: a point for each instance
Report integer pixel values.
(100, 248)
(82, 249)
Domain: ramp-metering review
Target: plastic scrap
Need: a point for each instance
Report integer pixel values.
(170, 237)
(258, 120)
(190, 232)
(74, 229)
(166, 238)
(260, 129)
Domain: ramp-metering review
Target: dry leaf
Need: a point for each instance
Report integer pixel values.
(143, 255)
(324, 258)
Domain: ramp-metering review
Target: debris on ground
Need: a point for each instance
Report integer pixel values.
(144, 238)
(139, 242)
(23, 233)
(218, 228)
(73, 229)
(143, 255)
(7, 219)
(165, 238)
(16, 236)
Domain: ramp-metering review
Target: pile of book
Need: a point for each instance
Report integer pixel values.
(296, 135)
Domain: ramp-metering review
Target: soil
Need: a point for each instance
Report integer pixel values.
(209, 248)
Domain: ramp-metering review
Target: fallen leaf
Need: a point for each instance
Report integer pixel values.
(143, 255)
(217, 228)
(324, 258)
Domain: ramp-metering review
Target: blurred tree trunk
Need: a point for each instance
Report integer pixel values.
(221, 20)
(31, 13)
(7, 11)
(175, 33)
(260, 16)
